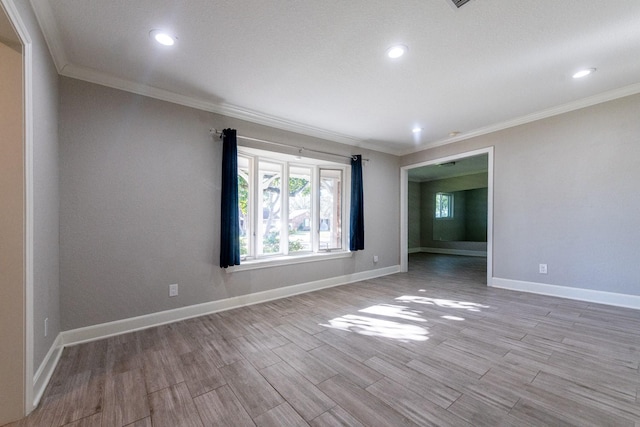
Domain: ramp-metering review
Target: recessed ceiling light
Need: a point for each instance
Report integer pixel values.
(454, 133)
(162, 37)
(584, 73)
(396, 51)
(416, 130)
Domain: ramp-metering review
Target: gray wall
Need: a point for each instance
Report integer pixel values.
(565, 194)
(476, 214)
(414, 215)
(140, 197)
(46, 198)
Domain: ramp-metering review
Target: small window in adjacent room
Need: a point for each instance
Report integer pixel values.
(444, 205)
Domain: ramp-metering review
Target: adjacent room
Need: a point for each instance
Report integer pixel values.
(363, 213)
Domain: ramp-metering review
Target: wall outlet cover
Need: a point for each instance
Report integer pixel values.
(173, 290)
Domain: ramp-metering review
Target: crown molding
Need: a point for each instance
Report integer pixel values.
(48, 24)
(550, 112)
(51, 32)
(52, 35)
(228, 110)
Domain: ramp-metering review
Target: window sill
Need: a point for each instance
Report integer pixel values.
(279, 261)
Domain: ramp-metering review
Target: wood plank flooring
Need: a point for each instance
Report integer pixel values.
(432, 347)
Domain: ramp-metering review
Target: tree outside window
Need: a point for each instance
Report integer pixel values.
(302, 216)
(444, 205)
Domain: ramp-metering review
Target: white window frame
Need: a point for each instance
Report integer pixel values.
(451, 205)
(254, 259)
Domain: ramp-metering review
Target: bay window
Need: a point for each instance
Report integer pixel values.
(289, 206)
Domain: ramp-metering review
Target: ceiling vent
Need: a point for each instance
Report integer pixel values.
(459, 3)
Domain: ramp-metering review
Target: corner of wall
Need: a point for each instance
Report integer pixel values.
(45, 371)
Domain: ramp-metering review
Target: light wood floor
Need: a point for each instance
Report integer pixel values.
(421, 348)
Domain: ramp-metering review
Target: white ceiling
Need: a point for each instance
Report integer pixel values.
(319, 67)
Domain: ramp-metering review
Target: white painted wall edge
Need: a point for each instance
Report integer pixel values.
(447, 251)
(104, 330)
(579, 294)
(20, 28)
(45, 370)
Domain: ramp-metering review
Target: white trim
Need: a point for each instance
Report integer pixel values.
(404, 204)
(21, 29)
(550, 112)
(404, 219)
(280, 261)
(450, 251)
(490, 160)
(104, 79)
(48, 23)
(579, 294)
(51, 32)
(93, 76)
(104, 330)
(29, 220)
(46, 368)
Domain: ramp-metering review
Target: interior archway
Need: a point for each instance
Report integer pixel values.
(404, 205)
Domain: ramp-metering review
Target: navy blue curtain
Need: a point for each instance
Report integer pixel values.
(356, 240)
(230, 214)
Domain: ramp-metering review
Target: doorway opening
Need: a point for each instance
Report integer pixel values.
(447, 207)
(16, 224)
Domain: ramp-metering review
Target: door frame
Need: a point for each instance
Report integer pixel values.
(20, 28)
(404, 205)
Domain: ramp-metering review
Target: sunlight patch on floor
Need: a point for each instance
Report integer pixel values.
(371, 326)
(456, 318)
(398, 311)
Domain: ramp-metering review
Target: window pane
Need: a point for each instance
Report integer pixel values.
(271, 186)
(444, 205)
(330, 209)
(299, 209)
(243, 204)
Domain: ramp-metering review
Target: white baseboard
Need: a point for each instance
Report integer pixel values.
(414, 250)
(45, 370)
(105, 330)
(580, 294)
(446, 251)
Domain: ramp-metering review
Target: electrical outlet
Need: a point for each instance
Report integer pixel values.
(375, 258)
(46, 326)
(173, 290)
(543, 268)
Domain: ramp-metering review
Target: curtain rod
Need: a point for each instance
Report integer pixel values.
(215, 131)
